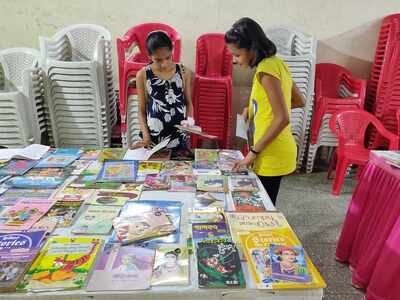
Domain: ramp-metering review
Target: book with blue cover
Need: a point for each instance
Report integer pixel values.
(60, 158)
(118, 171)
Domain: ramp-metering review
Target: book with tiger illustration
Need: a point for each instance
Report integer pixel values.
(63, 264)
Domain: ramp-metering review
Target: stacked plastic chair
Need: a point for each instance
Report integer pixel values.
(383, 97)
(335, 89)
(298, 50)
(212, 96)
(80, 94)
(132, 56)
(22, 120)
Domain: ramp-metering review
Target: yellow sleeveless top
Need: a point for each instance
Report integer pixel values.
(279, 156)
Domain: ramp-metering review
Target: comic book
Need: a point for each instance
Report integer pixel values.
(243, 183)
(148, 167)
(182, 183)
(177, 167)
(248, 202)
(218, 265)
(23, 214)
(206, 154)
(171, 266)
(209, 199)
(156, 182)
(212, 183)
(63, 264)
(122, 268)
(111, 154)
(17, 252)
(17, 167)
(256, 246)
(118, 171)
(96, 219)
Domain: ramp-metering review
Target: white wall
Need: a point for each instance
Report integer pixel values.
(346, 29)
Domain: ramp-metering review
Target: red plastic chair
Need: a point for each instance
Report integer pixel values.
(212, 91)
(130, 63)
(349, 127)
(335, 89)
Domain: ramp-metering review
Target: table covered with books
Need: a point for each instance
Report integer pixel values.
(370, 237)
(78, 223)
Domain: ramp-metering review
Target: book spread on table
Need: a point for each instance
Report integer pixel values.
(96, 219)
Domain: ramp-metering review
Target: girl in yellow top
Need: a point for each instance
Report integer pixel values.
(273, 153)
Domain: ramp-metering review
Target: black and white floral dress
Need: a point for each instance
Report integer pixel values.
(166, 107)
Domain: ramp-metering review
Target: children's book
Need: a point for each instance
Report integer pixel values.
(122, 268)
(144, 153)
(206, 155)
(79, 166)
(118, 171)
(93, 168)
(205, 165)
(12, 195)
(148, 167)
(89, 154)
(111, 154)
(252, 221)
(17, 167)
(33, 152)
(60, 173)
(156, 182)
(96, 219)
(248, 201)
(17, 252)
(89, 182)
(212, 183)
(58, 159)
(209, 231)
(141, 218)
(23, 214)
(171, 266)
(288, 263)
(105, 197)
(63, 213)
(209, 199)
(218, 265)
(177, 167)
(63, 264)
(133, 187)
(74, 194)
(257, 249)
(182, 183)
(33, 182)
(243, 183)
(226, 168)
(45, 224)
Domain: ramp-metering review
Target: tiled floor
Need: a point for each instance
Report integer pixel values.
(317, 217)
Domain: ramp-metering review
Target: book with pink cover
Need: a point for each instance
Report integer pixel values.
(24, 214)
(122, 268)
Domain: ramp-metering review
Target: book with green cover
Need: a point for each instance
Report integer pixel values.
(96, 219)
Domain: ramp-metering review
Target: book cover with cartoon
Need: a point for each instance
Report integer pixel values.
(122, 268)
(24, 214)
(57, 160)
(182, 183)
(177, 167)
(148, 167)
(248, 202)
(212, 183)
(171, 266)
(156, 182)
(256, 246)
(209, 199)
(243, 183)
(96, 219)
(219, 266)
(118, 171)
(288, 263)
(111, 197)
(63, 264)
(89, 154)
(17, 167)
(74, 194)
(111, 154)
(63, 213)
(206, 154)
(12, 195)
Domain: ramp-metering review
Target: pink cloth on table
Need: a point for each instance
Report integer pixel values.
(372, 213)
(385, 281)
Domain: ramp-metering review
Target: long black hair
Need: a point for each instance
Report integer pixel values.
(156, 40)
(248, 34)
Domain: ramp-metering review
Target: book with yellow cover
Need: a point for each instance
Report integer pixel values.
(63, 263)
(257, 247)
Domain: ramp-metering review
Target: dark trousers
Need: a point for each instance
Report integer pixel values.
(271, 185)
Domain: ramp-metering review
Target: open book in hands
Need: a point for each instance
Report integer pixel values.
(144, 153)
(196, 130)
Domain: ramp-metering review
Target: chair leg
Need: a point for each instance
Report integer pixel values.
(341, 167)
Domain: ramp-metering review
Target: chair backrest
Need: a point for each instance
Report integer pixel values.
(136, 36)
(13, 62)
(350, 127)
(330, 75)
(213, 57)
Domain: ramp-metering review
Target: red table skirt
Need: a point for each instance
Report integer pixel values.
(370, 237)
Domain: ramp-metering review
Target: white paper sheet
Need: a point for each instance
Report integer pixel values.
(34, 152)
(241, 127)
